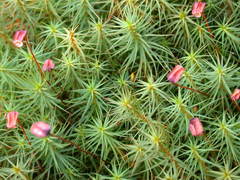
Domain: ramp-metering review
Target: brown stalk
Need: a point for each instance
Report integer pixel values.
(37, 63)
(34, 58)
(24, 133)
(207, 26)
(236, 105)
(26, 137)
(191, 89)
(77, 146)
(164, 149)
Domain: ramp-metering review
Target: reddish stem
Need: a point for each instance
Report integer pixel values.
(26, 137)
(236, 105)
(37, 63)
(211, 34)
(77, 146)
(34, 58)
(24, 133)
(168, 153)
(164, 149)
(141, 116)
(194, 90)
(207, 26)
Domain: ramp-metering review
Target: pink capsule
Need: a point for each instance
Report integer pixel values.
(176, 73)
(235, 95)
(18, 38)
(48, 65)
(12, 118)
(195, 127)
(198, 8)
(40, 129)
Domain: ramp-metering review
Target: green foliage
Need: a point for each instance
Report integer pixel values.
(109, 95)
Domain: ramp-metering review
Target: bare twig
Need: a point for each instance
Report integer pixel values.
(77, 146)
(191, 89)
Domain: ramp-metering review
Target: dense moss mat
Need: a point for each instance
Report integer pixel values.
(113, 113)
